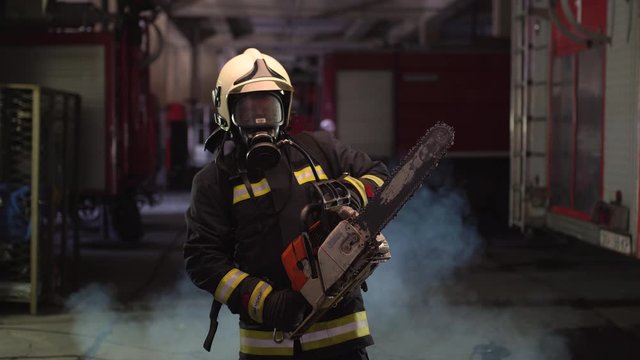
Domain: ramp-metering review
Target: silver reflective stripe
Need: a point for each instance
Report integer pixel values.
(228, 283)
(257, 342)
(320, 335)
(261, 187)
(240, 192)
(333, 332)
(305, 175)
(336, 331)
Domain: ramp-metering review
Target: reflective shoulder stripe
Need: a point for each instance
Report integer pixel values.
(305, 175)
(378, 181)
(261, 187)
(359, 186)
(256, 342)
(240, 192)
(256, 301)
(336, 331)
(228, 283)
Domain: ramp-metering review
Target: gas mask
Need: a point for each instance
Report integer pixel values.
(258, 116)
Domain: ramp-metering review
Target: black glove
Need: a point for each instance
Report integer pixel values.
(284, 309)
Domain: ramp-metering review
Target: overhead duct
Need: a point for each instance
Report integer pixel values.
(23, 9)
(45, 13)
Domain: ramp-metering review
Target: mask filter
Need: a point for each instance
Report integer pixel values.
(262, 152)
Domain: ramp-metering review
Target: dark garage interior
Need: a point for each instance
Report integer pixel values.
(522, 243)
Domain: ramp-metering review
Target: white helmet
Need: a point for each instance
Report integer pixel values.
(251, 71)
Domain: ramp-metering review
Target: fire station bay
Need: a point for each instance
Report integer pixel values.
(297, 179)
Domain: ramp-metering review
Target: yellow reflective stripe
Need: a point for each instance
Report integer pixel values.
(324, 325)
(256, 342)
(359, 186)
(305, 175)
(336, 331)
(337, 339)
(258, 335)
(228, 283)
(322, 334)
(378, 181)
(240, 192)
(259, 350)
(261, 187)
(256, 301)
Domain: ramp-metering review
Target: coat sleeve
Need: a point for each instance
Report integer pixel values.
(209, 249)
(364, 175)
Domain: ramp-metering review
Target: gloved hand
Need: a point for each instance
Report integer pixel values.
(346, 212)
(284, 309)
(384, 252)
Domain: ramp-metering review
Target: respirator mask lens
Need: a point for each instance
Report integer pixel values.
(258, 117)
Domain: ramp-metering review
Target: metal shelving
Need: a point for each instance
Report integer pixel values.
(37, 189)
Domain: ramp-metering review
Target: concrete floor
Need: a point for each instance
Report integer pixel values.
(447, 293)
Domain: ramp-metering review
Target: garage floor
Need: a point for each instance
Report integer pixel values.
(447, 293)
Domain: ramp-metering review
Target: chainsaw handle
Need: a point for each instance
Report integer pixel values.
(309, 215)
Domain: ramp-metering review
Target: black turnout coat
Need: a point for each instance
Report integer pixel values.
(233, 235)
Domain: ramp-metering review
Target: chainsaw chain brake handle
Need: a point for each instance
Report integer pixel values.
(332, 194)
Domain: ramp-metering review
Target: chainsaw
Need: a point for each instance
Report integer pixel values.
(324, 265)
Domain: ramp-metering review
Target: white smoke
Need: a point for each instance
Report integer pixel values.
(413, 311)
(415, 306)
(170, 325)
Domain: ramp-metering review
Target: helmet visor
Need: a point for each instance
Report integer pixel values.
(257, 110)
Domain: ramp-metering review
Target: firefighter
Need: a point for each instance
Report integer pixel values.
(246, 208)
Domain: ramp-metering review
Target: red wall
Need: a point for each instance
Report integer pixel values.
(468, 91)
